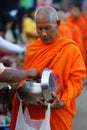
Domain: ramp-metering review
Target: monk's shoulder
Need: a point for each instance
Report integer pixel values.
(71, 46)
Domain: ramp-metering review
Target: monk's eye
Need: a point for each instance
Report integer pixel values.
(39, 28)
(48, 28)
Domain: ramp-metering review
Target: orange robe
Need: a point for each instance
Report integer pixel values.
(64, 30)
(85, 16)
(77, 37)
(82, 24)
(72, 31)
(65, 58)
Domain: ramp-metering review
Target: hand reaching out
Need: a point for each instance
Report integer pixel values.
(33, 73)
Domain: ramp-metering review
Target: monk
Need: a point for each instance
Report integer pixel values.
(77, 37)
(77, 18)
(61, 55)
(64, 30)
(73, 29)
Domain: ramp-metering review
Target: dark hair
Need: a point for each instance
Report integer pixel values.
(2, 28)
(6, 18)
(29, 11)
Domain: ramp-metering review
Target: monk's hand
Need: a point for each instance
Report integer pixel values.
(57, 103)
(33, 73)
(41, 103)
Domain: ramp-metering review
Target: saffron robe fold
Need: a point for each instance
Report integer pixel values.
(65, 58)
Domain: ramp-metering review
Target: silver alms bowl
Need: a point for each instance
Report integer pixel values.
(32, 90)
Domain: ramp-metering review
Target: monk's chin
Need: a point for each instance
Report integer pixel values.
(47, 42)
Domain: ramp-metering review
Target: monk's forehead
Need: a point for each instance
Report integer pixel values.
(46, 13)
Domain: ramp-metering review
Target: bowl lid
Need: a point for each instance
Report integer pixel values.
(49, 79)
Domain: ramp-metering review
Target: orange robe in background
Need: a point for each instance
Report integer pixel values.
(64, 30)
(72, 31)
(65, 58)
(77, 37)
(82, 24)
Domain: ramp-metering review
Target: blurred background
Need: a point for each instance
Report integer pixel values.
(17, 30)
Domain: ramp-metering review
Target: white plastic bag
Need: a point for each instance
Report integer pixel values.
(24, 122)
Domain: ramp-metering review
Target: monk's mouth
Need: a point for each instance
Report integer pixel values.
(46, 39)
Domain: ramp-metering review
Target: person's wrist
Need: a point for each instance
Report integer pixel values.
(2, 68)
(28, 72)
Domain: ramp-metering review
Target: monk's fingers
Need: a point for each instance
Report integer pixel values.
(25, 104)
(57, 104)
(54, 96)
(41, 103)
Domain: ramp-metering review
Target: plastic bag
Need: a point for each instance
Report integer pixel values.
(24, 122)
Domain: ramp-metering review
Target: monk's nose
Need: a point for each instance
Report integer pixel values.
(44, 33)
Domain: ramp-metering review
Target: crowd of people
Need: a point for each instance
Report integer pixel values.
(46, 37)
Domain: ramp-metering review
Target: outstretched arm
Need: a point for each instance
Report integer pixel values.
(12, 75)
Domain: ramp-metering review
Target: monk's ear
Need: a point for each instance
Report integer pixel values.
(58, 22)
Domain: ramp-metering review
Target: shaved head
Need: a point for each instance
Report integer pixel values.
(47, 23)
(46, 12)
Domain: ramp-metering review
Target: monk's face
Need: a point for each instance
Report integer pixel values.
(47, 30)
(75, 12)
